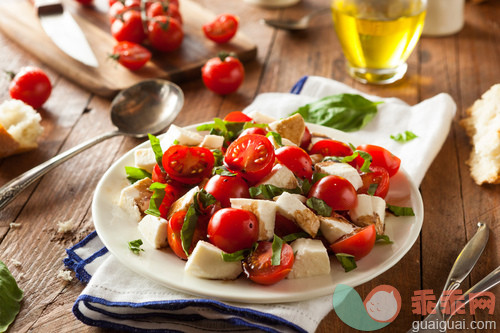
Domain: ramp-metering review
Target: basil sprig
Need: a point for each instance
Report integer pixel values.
(134, 174)
(10, 298)
(347, 261)
(155, 144)
(404, 137)
(345, 112)
(400, 211)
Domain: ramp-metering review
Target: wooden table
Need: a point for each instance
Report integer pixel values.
(464, 65)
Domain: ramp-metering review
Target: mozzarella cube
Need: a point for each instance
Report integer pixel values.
(154, 230)
(145, 159)
(261, 118)
(335, 227)
(134, 199)
(284, 142)
(292, 208)
(206, 262)
(311, 259)
(211, 141)
(180, 136)
(264, 210)
(342, 170)
(183, 202)
(280, 176)
(291, 128)
(370, 209)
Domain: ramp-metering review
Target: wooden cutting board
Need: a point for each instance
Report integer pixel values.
(18, 21)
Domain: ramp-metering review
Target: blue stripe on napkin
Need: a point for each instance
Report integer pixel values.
(297, 87)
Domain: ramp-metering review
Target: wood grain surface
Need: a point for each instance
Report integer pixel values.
(109, 77)
(464, 65)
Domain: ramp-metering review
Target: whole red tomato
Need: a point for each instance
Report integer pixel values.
(131, 55)
(222, 29)
(337, 192)
(225, 187)
(296, 159)
(165, 33)
(223, 74)
(128, 27)
(162, 8)
(31, 85)
(380, 157)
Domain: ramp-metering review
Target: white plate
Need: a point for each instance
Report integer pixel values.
(116, 230)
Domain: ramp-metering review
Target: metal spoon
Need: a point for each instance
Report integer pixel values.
(295, 25)
(146, 107)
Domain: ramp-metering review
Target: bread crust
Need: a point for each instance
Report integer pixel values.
(8, 145)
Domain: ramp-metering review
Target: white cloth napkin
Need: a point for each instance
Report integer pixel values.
(118, 298)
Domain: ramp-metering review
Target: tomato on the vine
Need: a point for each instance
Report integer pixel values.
(30, 85)
(188, 165)
(337, 192)
(380, 157)
(377, 179)
(232, 229)
(295, 159)
(222, 29)
(252, 156)
(165, 33)
(359, 244)
(223, 74)
(225, 187)
(131, 55)
(258, 266)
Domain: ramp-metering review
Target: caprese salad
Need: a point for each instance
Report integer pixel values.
(260, 197)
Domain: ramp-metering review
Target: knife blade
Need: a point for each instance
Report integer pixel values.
(61, 27)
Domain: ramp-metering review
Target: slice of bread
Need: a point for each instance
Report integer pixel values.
(482, 125)
(19, 128)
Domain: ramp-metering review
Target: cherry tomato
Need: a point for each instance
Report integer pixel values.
(164, 8)
(305, 141)
(251, 155)
(222, 29)
(254, 130)
(284, 226)
(258, 268)
(337, 192)
(128, 27)
(225, 187)
(359, 244)
(232, 229)
(378, 177)
(131, 55)
(165, 33)
(188, 165)
(174, 227)
(31, 85)
(237, 116)
(330, 147)
(171, 194)
(223, 74)
(380, 157)
(295, 159)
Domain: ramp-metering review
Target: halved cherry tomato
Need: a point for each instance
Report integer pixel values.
(380, 157)
(188, 165)
(30, 85)
(358, 245)
(284, 226)
(165, 33)
(258, 268)
(330, 147)
(171, 194)
(222, 29)
(158, 176)
(223, 74)
(379, 178)
(225, 187)
(295, 159)
(337, 192)
(131, 55)
(174, 227)
(305, 141)
(254, 130)
(232, 229)
(128, 27)
(251, 155)
(237, 116)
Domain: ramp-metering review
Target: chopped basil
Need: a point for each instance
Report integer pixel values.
(10, 298)
(372, 189)
(249, 124)
(276, 246)
(345, 112)
(134, 174)
(235, 256)
(218, 157)
(135, 246)
(383, 239)
(319, 206)
(401, 211)
(230, 130)
(155, 144)
(347, 261)
(276, 137)
(291, 237)
(176, 142)
(204, 198)
(188, 228)
(222, 171)
(346, 159)
(156, 199)
(268, 191)
(404, 137)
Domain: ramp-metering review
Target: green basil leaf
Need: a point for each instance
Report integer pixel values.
(135, 246)
(291, 237)
(317, 176)
(134, 174)
(155, 144)
(176, 142)
(347, 261)
(276, 137)
(10, 298)
(305, 186)
(249, 124)
(372, 189)
(218, 156)
(401, 211)
(383, 239)
(319, 206)
(276, 246)
(235, 256)
(206, 199)
(268, 191)
(404, 137)
(345, 112)
(156, 199)
(188, 228)
(222, 171)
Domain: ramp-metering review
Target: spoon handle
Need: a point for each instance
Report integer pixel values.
(10, 190)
